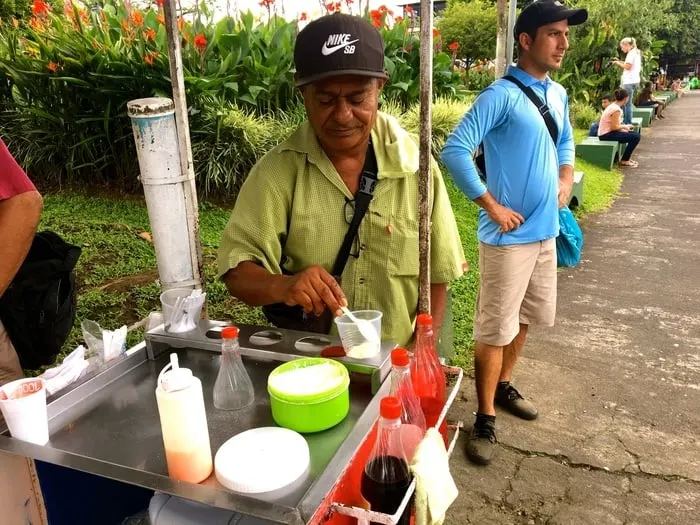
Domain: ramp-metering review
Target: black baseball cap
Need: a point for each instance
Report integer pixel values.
(542, 12)
(338, 44)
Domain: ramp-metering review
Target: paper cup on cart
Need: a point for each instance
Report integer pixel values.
(355, 344)
(23, 405)
(181, 310)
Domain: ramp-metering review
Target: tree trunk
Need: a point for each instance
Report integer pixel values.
(501, 36)
(424, 187)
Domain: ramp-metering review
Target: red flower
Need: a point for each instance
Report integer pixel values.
(53, 66)
(267, 4)
(200, 42)
(150, 57)
(149, 34)
(398, 19)
(454, 46)
(125, 26)
(330, 7)
(159, 3)
(137, 18)
(303, 16)
(436, 33)
(180, 23)
(161, 19)
(408, 49)
(383, 9)
(40, 8)
(409, 10)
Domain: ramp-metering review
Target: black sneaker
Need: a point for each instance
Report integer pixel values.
(509, 398)
(481, 445)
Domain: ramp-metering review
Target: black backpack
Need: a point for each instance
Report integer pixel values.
(38, 309)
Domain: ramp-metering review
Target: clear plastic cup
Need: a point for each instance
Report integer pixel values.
(23, 405)
(354, 343)
(185, 320)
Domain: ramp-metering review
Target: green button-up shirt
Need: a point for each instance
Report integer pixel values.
(291, 214)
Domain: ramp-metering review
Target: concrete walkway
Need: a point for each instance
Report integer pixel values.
(617, 380)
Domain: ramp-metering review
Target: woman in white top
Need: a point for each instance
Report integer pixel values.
(631, 73)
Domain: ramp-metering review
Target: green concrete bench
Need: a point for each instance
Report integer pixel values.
(576, 198)
(637, 123)
(645, 113)
(620, 149)
(599, 152)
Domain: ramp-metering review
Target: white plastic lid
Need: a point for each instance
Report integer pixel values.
(262, 460)
(176, 378)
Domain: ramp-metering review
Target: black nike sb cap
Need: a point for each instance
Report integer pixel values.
(336, 45)
(542, 12)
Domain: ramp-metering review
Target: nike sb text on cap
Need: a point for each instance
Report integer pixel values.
(338, 44)
(542, 12)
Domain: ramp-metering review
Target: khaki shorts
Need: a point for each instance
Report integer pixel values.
(518, 285)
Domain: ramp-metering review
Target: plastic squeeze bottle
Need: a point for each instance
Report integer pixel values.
(412, 419)
(183, 421)
(428, 377)
(387, 477)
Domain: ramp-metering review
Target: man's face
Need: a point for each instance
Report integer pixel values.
(548, 49)
(605, 103)
(342, 110)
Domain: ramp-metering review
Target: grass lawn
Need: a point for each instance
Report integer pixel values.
(117, 273)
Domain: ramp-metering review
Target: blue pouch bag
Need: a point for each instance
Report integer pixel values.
(570, 239)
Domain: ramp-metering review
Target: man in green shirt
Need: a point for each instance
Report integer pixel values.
(295, 207)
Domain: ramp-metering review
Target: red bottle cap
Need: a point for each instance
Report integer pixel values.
(390, 408)
(399, 357)
(230, 332)
(425, 320)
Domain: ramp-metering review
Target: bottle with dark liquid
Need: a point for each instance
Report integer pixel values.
(427, 374)
(387, 477)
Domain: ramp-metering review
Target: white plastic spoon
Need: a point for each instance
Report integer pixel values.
(365, 327)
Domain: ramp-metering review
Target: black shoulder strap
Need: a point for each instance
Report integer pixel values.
(368, 181)
(541, 107)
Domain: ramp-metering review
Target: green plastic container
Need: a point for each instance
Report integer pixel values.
(310, 412)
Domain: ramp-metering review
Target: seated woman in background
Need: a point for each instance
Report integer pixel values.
(646, 99)
(677, 87)
(612, 128)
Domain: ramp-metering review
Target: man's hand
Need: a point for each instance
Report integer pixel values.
(314, 289)
(564, 193)
(506, 218)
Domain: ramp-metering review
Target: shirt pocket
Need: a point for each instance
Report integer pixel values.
(403, 260)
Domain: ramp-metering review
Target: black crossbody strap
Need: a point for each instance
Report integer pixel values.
(541, 107)
(368, 181)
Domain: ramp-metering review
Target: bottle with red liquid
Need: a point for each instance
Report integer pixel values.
(412, 419)
(387, 477)
(429, 381)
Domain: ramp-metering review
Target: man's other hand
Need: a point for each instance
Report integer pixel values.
(506, 218)
(314, 289)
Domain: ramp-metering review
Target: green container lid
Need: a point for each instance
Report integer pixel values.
(317, 397)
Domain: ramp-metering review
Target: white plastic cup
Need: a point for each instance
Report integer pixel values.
(23, 405)
(167, 302)
(352, 338)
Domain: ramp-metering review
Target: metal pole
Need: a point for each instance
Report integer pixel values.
(510, 41)
(425, 186)
(501, 28)
(183, 134)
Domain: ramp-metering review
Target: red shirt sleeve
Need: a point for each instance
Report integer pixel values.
(13, 180)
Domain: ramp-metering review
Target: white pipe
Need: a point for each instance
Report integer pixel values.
(510, 41)
(155, 133)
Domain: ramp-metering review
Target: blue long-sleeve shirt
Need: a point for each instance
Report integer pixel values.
(522, 162)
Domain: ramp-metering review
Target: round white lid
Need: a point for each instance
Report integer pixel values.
(262, 460)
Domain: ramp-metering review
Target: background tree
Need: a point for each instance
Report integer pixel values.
(683, 37)
(473, 25)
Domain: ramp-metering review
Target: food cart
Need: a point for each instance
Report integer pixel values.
(107, 424)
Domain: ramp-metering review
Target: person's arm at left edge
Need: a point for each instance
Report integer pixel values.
(565, 154)
(20, 210)
(447, 261)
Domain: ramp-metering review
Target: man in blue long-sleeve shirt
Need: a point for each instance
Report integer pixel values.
(528, 177)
